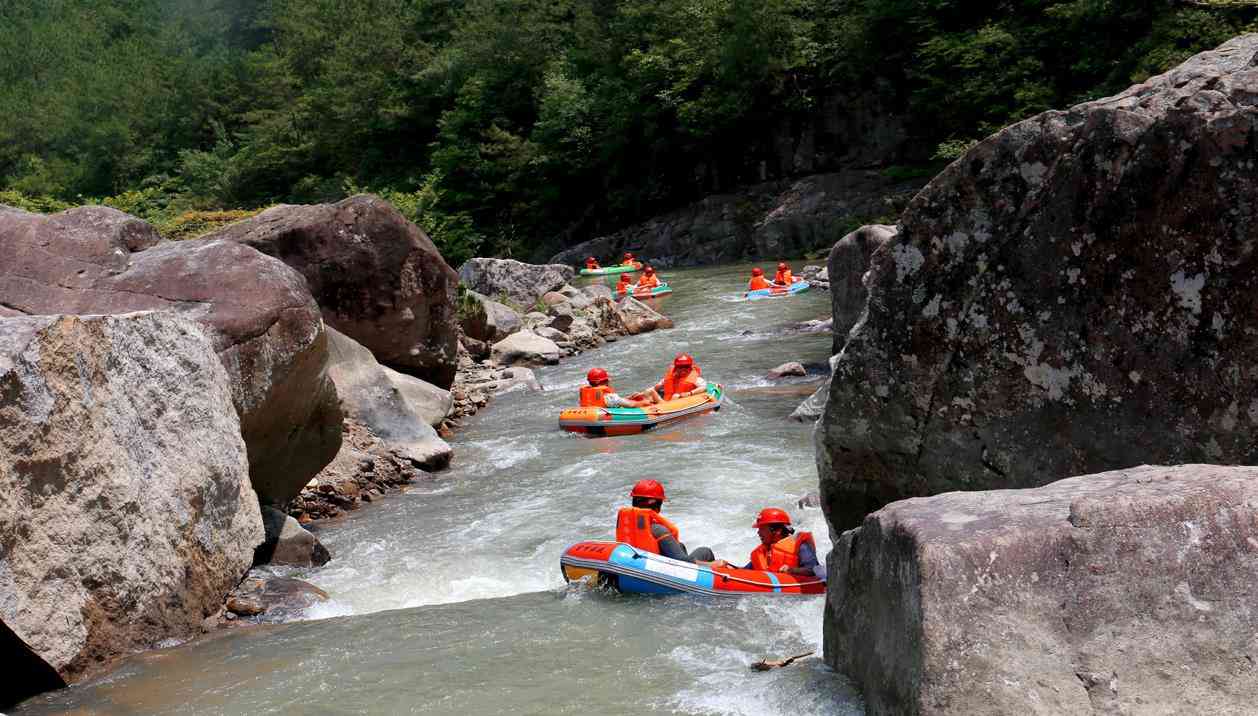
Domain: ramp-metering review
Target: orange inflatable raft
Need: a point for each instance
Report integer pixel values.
(628, 569)
(599, 422)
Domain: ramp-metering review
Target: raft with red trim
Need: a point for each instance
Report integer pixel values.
(661, 290)
(631, 570)
(600, 422)
(799, 285)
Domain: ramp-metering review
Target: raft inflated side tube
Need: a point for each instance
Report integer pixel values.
(661, 290)
(604, 422)
(631, 570)
(611, 270)
(799, 286)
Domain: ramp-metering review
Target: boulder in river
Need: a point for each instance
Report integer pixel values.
(1129, 591)
(288, 543)
(520, 283)
(848, 264)
(639, 317)
(1077, 293)
(370, 397)
(376, 276)
(126, 509)
(525, 348)
(261, 318)
(792, 368)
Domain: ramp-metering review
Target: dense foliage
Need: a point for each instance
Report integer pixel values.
(505, 124)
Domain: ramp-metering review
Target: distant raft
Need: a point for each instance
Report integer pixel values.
(661, 290)
(612, 270)
(798, 286)
(600, 422)
(634, 571)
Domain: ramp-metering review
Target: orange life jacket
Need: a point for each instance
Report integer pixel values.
(757, 283)
(594, 396)
(648, 281)
(673, 386)
(784, 277)
(783, 553)
(624, 284)
(633, 527)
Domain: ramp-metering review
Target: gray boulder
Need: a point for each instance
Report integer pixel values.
(370, 397)
(264, 324)
(1077, 293)
(288, 543)
(638, 317)
(1123, 592)
(848, 264)
(488, 320)
(792, 368)
(522, 284)
(524, 348)
(598, 290)
(430, 403)
(127, 509)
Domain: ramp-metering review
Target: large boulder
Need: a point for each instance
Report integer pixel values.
(1077, 293)
(487, 320)
(519, 283)
(126, 509)
(430, 403)
(263, 323)
(524, 348)
(638, 317)
(376, 276)
(370, 397)
(847, 266)
(1123, 592)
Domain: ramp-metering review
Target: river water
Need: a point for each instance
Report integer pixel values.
(448, 599)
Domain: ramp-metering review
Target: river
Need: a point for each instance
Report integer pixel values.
(448, 599)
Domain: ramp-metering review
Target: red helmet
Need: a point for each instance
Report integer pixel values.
(628, 255)
(772, 516)
(683, 360)
(648, 488)
(591, 259)
(648, 270)
(781, 267)
(757, 272)
(596, 376)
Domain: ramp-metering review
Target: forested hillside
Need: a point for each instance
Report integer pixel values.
(503, 125)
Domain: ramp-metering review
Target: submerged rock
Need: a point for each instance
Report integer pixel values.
(376, 276)
(1078, 293)
(788, 369)
(126, 509)
(1123, 592)
(264, 597)
(261, 318)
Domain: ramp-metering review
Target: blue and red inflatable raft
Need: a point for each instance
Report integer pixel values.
(634, 571)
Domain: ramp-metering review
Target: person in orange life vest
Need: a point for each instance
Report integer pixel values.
(625, 285)
(682, 379)
(757, 280)
(642, 526)
(629, 260)
(648, 281)
(783, 277)
(781, 549)
(592, 263)
(600, 394)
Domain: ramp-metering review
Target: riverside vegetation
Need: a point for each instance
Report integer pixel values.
(515, 128)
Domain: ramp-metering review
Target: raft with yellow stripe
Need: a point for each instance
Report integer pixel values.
(599, 422)
(628, 569)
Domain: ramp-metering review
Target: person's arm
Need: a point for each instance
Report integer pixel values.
(807, 562)
(669, 546)
(612, 400)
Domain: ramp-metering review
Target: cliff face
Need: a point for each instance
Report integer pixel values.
(1075, 294)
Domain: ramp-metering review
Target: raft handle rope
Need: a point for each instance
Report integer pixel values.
(729, 577)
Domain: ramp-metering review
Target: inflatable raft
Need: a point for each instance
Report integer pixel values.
(601, 422)
(627, 569)
(611, 270)
(798, 286)
(661, 290)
